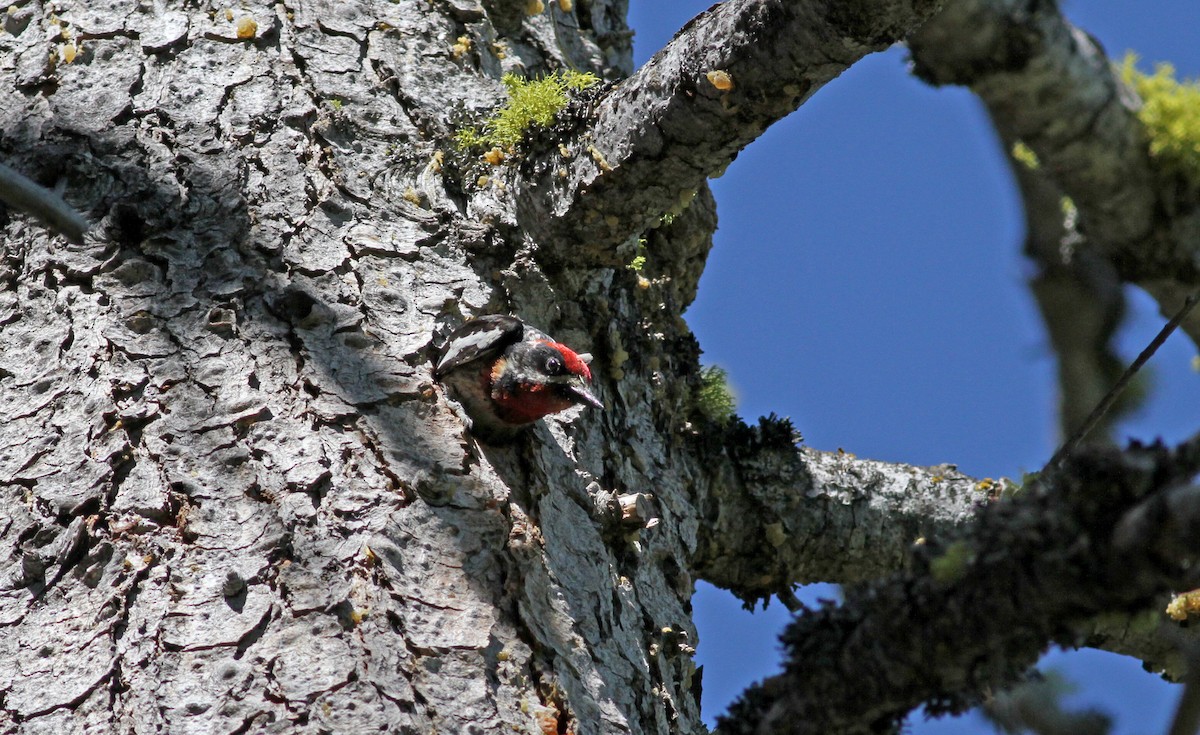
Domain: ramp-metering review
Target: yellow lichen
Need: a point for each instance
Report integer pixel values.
(1170, 114)
(461, 46)
(1184, 606)
(534, 7)
(1068, 208)
(566, 5)
(435, 162)
(495, 156)
(720, 79)
(599, 158)
(247, 27)
(1025, 156)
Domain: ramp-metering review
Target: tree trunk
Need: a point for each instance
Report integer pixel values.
(235, 500)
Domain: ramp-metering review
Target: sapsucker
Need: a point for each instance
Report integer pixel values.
(506, 375)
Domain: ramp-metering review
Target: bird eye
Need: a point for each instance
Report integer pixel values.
(554, 365)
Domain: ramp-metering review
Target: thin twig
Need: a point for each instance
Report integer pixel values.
(21, 193)
(1112, 395)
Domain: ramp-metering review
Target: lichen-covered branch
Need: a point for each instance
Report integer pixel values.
(1051, 86)
(779, 515)
(683, 117)
(1110, 532)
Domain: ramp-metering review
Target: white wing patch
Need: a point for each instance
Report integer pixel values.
(477, 338)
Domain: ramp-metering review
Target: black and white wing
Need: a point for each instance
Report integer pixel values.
(483, 336)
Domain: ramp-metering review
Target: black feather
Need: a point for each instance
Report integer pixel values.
(484, 336)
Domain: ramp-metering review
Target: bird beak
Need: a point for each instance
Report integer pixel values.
(582, 395)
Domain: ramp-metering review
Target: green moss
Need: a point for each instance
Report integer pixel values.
(530, 102)
(1171, 115)
(639, 259)
(952, 565)
(714, 399)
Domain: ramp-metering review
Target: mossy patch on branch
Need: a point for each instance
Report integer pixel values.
(1171, 115)
(530, 102)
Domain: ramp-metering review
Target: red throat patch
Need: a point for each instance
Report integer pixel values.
(530, 402)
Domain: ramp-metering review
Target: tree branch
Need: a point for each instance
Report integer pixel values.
(1050, 85)
(1109, 532)
(1079, 295)
(1147, 635)
(683, 117)
(778, 515)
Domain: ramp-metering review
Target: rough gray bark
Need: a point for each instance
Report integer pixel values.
(233, 500)
(777, 516)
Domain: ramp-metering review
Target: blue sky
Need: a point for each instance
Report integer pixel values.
(881, 233)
